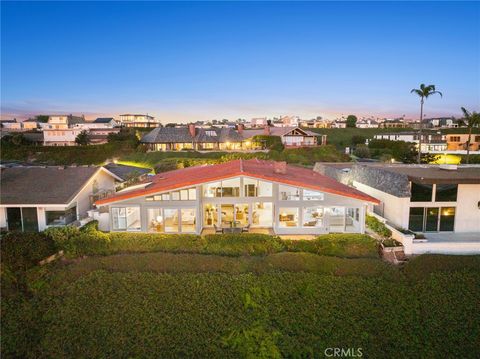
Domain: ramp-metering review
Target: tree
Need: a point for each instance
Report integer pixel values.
(82, 138)
(470, 119)
(358, 140)
(362, 151)
(351, 121)
(42, 118)
(423, 92)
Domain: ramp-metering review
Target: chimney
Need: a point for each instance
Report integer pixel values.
(280, 167)
(191, 129)
(240, 128)
(266, 130)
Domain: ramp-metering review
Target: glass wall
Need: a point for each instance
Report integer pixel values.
(241, 214)
(210, 214)
(226, 188)
(313, 217)
(188, 194)
(312, 195)
(60, 218)
(288, 193)
(262, 214)
(446, 193)
(126, 218)
(337, 219)
(415, 222)
(421, 192)
(288, 217)
(257, 188)
(187, 216)
(155, 220)
(432, 219)
(171, 220)
(447, 219)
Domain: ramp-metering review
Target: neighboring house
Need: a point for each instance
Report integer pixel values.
(240, 193)
(316, 124)
(35, 198)
(225, 139)
(397, 123)
(458, 142)
(129, 174)
(138, 120)
(62, 130)
(192, 138)
(62, 122)
(101, 122)
(288, 121)
(441, 202)
(431, 142)
(30, 125)
(369, 123)
(11, 125)
(339, 124)
(442, 122)
(290, 136)
(258, 122)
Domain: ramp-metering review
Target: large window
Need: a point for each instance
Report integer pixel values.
(288, 193)
(226, 188)
(415, 222)
(171, 220)
(447, 219)
(155, 220)
(60, 218)
(421, 192)
(312, 195)
(288, 217)
(188, 220)
(262, 214)
(313, 217)
(188, 194)
(257, 188)
(446, 193)
(126, 218)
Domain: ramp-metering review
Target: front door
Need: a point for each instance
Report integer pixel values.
(14, 219)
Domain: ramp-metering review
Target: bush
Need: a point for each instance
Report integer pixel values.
(340, 245)
(362, 151)
(22, 251)
(378, 227)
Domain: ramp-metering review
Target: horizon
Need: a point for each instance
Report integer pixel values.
(186, 62)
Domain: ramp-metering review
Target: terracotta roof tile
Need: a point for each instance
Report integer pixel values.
(295, 176)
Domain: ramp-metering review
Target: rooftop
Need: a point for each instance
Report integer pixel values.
(103, 120)
(295, 176)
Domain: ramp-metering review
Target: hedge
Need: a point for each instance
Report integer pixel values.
(77, 242)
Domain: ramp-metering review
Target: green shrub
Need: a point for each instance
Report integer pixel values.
(341, 245)
(22, 251)
(243, 244)
(378, 227)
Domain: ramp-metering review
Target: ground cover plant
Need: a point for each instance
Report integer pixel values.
(277, 305)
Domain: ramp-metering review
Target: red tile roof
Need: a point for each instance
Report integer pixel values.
(190, 176)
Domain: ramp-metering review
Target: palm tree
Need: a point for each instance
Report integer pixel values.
(470, 119)
(423, 92)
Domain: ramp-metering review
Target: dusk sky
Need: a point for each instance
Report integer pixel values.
(199, 61)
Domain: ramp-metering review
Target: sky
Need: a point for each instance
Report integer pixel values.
(182, 61)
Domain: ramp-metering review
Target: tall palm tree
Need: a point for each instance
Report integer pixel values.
(423, 92)
(470, 119)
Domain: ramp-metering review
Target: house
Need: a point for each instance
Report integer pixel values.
(339, 124)
(396, 123)
(368, 123)
(458, 142)
(62, 130)
(192, 138)
(316, 123)
(290, 136)
(258, 122)
(442, 203)
(62, 122)
(35, 198)
(129, 174)
(431, 141)
(30, 125)
(238, 194)
(101, 122)
(138, 120)
(442, 122)
(11, 125)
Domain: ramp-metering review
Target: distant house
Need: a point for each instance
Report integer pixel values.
(138, 120)
(369, 123)
(339, 124)
(431, 141)
(35, 198)
(258, 122)
(316, 124)
(101, 122)
(396, 123)
(30, 124)
(11, 125)
(128, 174)
(224, 139)
(290, 136)
(458, 142)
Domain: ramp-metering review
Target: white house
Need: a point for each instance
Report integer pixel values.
(236, 196)
(138, 120)
(368, 123)
(442, 203)
(35, 198)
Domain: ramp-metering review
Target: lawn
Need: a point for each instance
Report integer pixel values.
(266, 302)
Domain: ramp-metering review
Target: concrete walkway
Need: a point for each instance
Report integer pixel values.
(453, 237)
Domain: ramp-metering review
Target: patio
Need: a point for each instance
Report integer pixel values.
(448, 243)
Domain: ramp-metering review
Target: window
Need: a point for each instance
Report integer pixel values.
(421, 192)
(312, 195)
(126, 218)
(415, 222)
(155, 220)
(454, 138)
(288, 217)
(446, 193)
(288, 193)
(256, 188)
(171, 220)
(477, 139)
(447, 219)
(189, 194)
(210, 133)
(313, 217)
(227, 188)
(58, 218)
(262, 214)
(188, 220)
(213, 189)
(175, 196)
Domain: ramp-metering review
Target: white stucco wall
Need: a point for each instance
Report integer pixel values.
(102, 181)
(467, 216)
(395, 209)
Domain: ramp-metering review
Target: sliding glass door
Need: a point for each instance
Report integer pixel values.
(432, 219)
